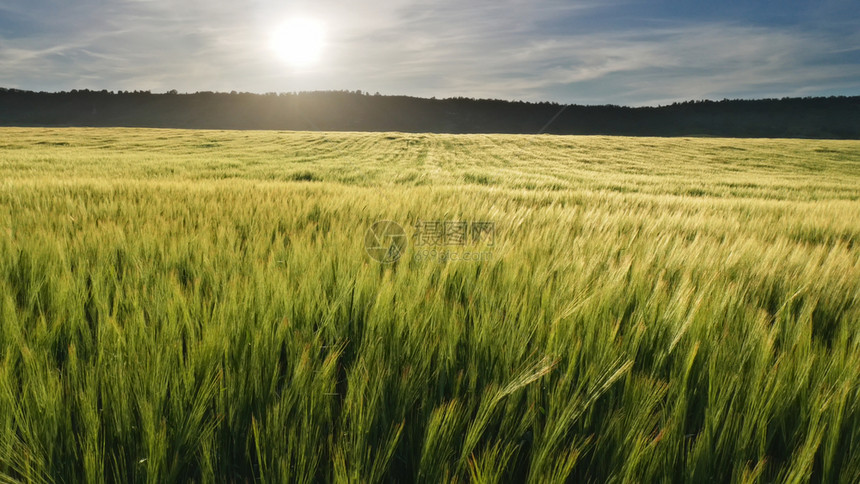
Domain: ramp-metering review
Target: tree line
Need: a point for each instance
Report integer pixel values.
(810, 117)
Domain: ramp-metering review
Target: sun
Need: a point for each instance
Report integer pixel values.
(299, 41)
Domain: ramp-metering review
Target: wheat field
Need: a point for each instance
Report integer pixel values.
(201, 306)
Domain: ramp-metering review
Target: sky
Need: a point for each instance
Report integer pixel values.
(626, 52)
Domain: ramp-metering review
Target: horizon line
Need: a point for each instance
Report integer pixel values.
(361, 92)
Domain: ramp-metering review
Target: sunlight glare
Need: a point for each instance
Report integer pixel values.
(299, 41)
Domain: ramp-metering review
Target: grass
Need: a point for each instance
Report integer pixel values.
(199, 306)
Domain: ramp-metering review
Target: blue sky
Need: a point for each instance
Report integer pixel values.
(588, 52)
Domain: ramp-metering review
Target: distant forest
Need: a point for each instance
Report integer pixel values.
(817, 117)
